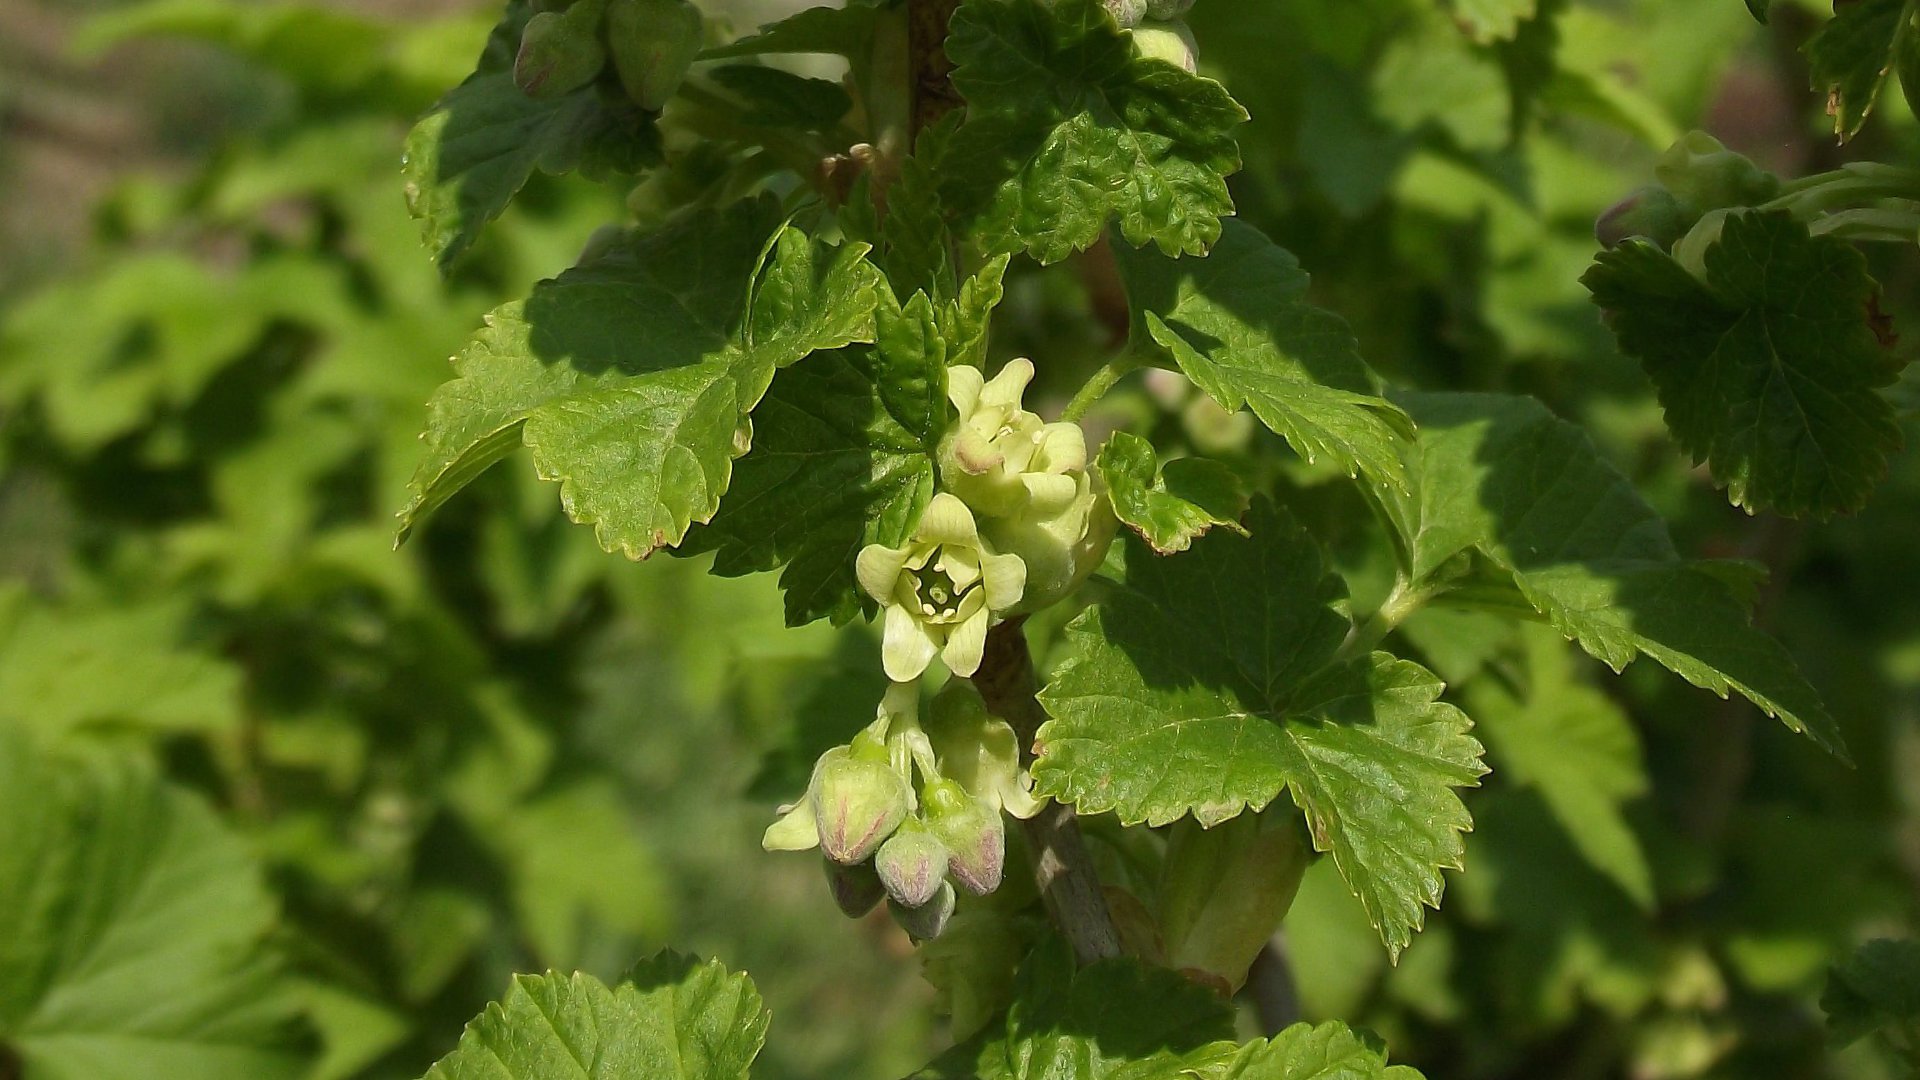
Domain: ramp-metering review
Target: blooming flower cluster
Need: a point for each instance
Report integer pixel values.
(908, 812)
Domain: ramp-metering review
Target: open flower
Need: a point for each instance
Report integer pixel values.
(940, 592)
(1001, 459)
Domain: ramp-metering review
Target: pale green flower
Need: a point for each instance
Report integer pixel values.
(940, 593)
(1001, 459)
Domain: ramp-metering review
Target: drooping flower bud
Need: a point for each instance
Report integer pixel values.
(974, 836)
(940, 592)
(929, 920)
(912, 864)
(1651, 212)
(979, 752)
(856, 889)
(1169, 40)
(560, 51)
(858, 800)
(653, 44)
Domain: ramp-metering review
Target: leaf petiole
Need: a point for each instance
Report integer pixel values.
(1099, 383)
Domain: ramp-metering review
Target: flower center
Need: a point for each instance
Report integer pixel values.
(939, 596)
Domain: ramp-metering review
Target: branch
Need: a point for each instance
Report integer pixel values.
(932, 90)
(1061, 866)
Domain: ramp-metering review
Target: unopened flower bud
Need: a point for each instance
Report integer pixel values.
(1127, 13)
(929, 920)
(560, 51)
(1169, 40)
(653, 44)
(856, 889)
(858, 800)
(975, 839)
(1168, 9)
(912, 864)
(1705, 175)
(979, 752)
(1651, 212)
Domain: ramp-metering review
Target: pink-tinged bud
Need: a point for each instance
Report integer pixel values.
(929, 920)
(1651, 212)
(856, 889)
(912, 864)
(858, 801)
(560, 52)
(974, 836)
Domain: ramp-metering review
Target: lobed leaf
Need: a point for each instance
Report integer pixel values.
(1769, 369)
(1212, 682)
(671, 1018)
(1239, 324)
(1068, 128)
(1501, 476)
(1170, 506)
(631, 378)
(133, 926)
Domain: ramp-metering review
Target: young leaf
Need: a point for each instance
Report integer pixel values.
(1851, 55)
(671, 1018)
(1067, 128)
(470, 156)
(1330, 1051)
(133, 924)
(1769, 370)
(1503, 477)
(1113, 1020)
(1876, 987)
(631, 378)
(1239, 324)
(1172, 505)
(1209, 684)
(844, 31)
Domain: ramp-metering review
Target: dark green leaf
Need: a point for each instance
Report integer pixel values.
(1769, 369)
(1503, 477)
(467, 158)
(1210, 684)
(1851, 55)
(1239, 324)
(844, 31)
(1169, 506)
(1876, 987)
(1067, 128)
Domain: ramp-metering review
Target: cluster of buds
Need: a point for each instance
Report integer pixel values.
(1694, 178)
(568, 43)
(1159, 29)
(906, 812)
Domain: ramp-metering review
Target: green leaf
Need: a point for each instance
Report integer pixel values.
(133, 925)
(1577, 749)
(1239, 324)
(1330, 1051)
(631, 378)
(843, 31)
(1112, 1020)
(1170, 506)
(466, 159)
(1759, 10)
(1877, 986)
(1211, 683)
(671, 1018)
(1768, 369)
(1493, 20)
(1503, 477)
(1851, 55)
(1432, 75)
(66, 671)
(1067, 127)
(842, 453)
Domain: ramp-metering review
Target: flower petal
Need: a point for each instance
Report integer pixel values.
(1063, 448)
(961, 565)
(878, 570)
(1049, 493)
(796, 830)
(907, 647)
(966, 644)
(1009, 386)
(1005, 580)
(963, 389)
(948, 521)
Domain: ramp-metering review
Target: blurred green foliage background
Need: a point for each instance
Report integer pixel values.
(500, 749)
